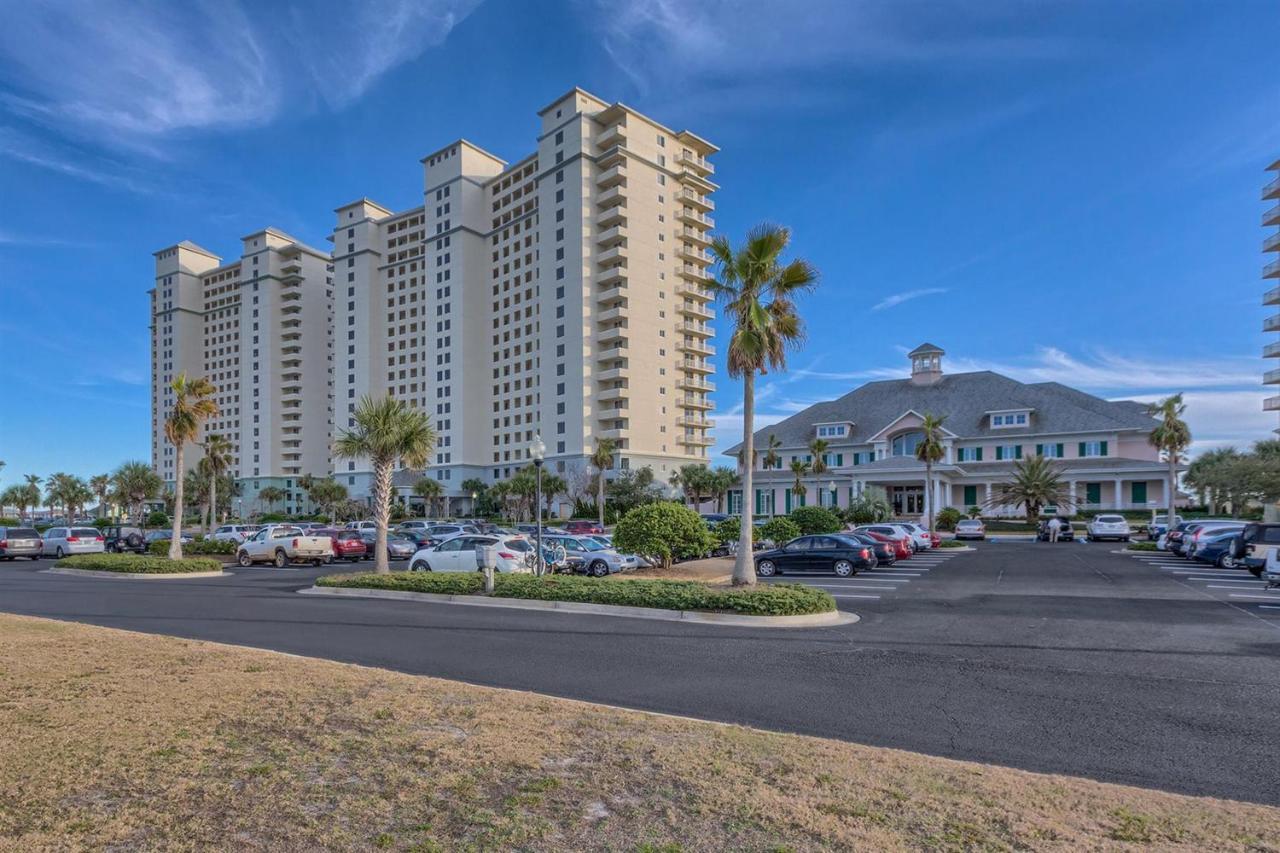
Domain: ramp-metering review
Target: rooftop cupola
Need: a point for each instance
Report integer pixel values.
(926, 364)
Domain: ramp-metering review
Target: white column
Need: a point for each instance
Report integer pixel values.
(1075, 507)
(1119, 495)
(941, 490)
(987, 503)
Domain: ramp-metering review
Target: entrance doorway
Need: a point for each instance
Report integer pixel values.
(907, 500)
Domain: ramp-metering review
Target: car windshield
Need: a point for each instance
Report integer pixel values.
(521, 545)
(22, 533)
(88, 532)
(1110, 519)
(968, 523)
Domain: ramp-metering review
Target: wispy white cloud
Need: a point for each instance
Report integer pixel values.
(34, 241)
(906, 296)
(129, 71)
(104, 172)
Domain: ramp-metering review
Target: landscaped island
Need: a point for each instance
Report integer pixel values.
(762, 600)
(137, 564)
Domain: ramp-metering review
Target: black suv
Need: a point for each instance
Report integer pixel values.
(120, 539)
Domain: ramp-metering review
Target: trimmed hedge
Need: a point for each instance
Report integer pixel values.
(1142, 546)
(815, 519)
(951, 543)
(196, 548)
(779, 599)
(138, 564)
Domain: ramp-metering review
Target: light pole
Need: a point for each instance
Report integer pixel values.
(831, 492)
(473, 503)
(538, 452)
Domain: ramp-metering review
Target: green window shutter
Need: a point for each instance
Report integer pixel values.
(1017, 451)
(1093, 493)
(839, 460)
(1059, 451)
(1039, 450)
(970, 496)
(999, 452)
(1138, 492)
(1104, 448)
(1080, 450)
(759, 497)
(787, 501)
(979, 459)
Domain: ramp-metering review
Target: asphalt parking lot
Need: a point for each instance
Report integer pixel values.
(1064, 658)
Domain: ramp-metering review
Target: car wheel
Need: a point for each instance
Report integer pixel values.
(328, 560)
(1226, 561)
(318, 562)
(243, 560)
(282, 559)
(599, 569)
(766, 568)
(844, 568)
(58, 553)
(420, 566)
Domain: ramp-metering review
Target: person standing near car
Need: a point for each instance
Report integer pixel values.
(1055, 526)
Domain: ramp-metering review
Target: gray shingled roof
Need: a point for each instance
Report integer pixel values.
(965, 398)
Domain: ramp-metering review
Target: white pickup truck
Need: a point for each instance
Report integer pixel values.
(283, 544)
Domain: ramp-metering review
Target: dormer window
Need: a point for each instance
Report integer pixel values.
(1004, 420)
(833, 430)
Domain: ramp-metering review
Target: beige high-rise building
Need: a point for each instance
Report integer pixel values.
(560, 295)
(1271, 274)
(260, 329)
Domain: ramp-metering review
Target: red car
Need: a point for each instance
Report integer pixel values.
(347, 544)
(582, 528)
(901, 544)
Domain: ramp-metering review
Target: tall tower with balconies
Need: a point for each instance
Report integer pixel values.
(1271, 274)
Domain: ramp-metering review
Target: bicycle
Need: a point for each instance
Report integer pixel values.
(554, 559)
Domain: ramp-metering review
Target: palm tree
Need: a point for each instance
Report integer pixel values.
(602, 460)
(758, 290)
(195, 488)
(192, 404)
(101, 486)
(553, 485)
(1037, 482)
(31, 489)
(386, 430)
(133, 483)
(217, 458)
(271, 495)
(818, 449)
(930, 451)
(55, 490)
(799, 468)
(327, 494)
(1173, 437)
(693, 480)
(721, 480)
(429, 490)
(771, 457)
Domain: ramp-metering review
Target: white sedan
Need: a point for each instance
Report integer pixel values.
(1108, 527)
(459, 554)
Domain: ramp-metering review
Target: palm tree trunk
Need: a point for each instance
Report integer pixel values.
(175, 544)
(381, 512)
(744, 569)
(213, 503)
(1173, 490)
(600, 496)
(928, 493)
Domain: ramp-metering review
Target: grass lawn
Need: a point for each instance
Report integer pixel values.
(121, 740)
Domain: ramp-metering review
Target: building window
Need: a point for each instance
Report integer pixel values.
(968, 454)
(1092, 448)
(831, 431)
(1009, 451)
(1009, 420)
(905, 444)
(1050, 451)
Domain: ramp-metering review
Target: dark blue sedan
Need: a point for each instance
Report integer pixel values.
(1218, 549)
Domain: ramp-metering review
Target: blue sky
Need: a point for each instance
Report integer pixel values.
(1054, 190)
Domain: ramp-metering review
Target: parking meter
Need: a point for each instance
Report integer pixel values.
(487, 557)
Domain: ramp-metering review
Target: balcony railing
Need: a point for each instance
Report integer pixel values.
(695, 161)
(696, 199)
(1272, 190)
(1271, 404)
(615, 135)
(1271, 297)
(1271, 377)
(1271, 324)
(1272, 216)
(1271, 350)
(1271, 270)
(1272, 243)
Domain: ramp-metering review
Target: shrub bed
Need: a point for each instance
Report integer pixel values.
(763, 600)
(197, 548)
(951, 543)
(815, 519)
(1142, 546)
(138, 564)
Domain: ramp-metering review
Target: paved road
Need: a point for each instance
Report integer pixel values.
(1062, 658)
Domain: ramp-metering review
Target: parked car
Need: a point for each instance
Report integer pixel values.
(1194, 537)
(419, 537)
(1066, 533)
(713, 518)
(415, 524)
(920, 538)
(441, 532)
(843, 555)
(590, 557)
(61, 541)
(971, 528)
(1159, 526)
(346, 544)
(886, 533)
(582, 528)
(886, 553)
(1219, 547)
(362, 525)
(1108, 527)
(283, 544)
(458, 554)
(1184, 533)
(121, 538)
(234, 532)
(399, 546)
(20, 542)
(166, 535)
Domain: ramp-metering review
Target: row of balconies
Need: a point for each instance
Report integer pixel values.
(1271, 297)
(696, 162)
(1272, 243)
(696, 346)
(1271, 324)
(1271, 270)
(696, 365)
(693, 291)
(1271, 404)
(698, 200)
(1271, 377)
(1271, 190)
(689, 383)
(695, 328)
(1271, 350)
(697, 309)
(694, 217)
(696, 421)
(695, 440)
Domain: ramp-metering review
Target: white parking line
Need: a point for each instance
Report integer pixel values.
(1255, 597)
(851, 595)
(1270, 606)
(1224, 586)
(902, 572)
(1219, 580)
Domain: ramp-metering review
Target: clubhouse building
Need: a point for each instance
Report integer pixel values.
(991, 422)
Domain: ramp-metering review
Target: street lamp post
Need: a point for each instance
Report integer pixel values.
(831, 492)
(473, 504)
(538, 451)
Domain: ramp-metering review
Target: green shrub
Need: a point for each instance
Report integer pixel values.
(10, 522)
(1142, 546)
(975, 512)
(663, 531)
(102, 522)
(947, 518)
(951, 543)
(139, 564)
(815, 519)
(196, 548)
(272, 517)
(779, 529)
(763, 600)
(730, 529)
(157, 519)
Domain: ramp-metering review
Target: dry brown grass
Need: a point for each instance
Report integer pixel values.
(127, 741)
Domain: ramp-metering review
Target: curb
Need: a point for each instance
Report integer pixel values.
(809, 620)
(93, 573)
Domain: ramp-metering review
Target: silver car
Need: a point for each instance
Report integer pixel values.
(20, 542)
(1108, 527)
(596, 559)
(61, 541)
